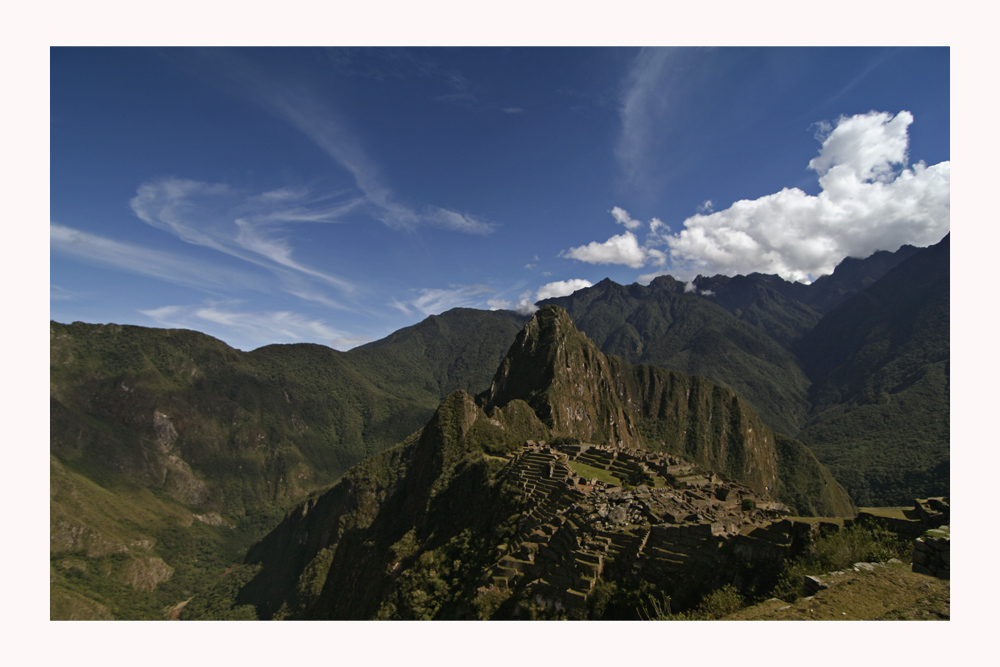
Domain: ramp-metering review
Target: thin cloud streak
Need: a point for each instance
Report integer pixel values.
(322, 125)
(434, 301)
(248, 329)
(329, 135)
(646, 104)
(217, 217)
(145, 262)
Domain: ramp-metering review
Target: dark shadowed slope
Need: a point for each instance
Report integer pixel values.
(881, 376)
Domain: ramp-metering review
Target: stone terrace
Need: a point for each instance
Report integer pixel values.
(681, 517)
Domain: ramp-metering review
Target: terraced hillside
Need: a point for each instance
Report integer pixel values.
(577, 529)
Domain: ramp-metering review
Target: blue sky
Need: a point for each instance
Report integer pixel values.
(335, 195)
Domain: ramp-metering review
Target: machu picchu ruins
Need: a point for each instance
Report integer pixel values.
(663, 517)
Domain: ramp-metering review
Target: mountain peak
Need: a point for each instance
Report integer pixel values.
(566, 380)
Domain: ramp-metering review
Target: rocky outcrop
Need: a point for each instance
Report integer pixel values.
(567, 381)
(145, 574)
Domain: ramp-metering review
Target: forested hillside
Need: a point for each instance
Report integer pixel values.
(210, 444)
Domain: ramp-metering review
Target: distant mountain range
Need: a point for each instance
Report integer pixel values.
(855, 364)
(171, 452)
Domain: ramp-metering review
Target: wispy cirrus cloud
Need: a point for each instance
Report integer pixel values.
(396, 63)
(319, 124)
(248, 330)
(138, 260)
(433, 301)
(647, 101)
(312, 115)
(523, 303)
(57, 293)
(245, 226)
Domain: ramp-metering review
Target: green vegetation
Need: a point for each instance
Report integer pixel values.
(855, 365)
(590, 472)
(838, 551)
(830, 552)
(141, 413)
(409, 532)
(880, 393)
(663, 326)
(805, 484)
(889, 593)
(131, 553)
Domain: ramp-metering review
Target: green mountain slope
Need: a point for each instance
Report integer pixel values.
(881, 375)
(854, 364)
(766, 302)
(458, 349)
(214, 431)
(851, 276)
(665, 326)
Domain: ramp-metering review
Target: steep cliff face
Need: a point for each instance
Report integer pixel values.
(572, 387)
(704, 422)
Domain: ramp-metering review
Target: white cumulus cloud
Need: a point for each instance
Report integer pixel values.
(621, 249)
(562, 288)
(623, 218)
(624, 248)
(870, 200)
(526, 301)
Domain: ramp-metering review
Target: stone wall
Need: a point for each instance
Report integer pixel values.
(932, 553)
